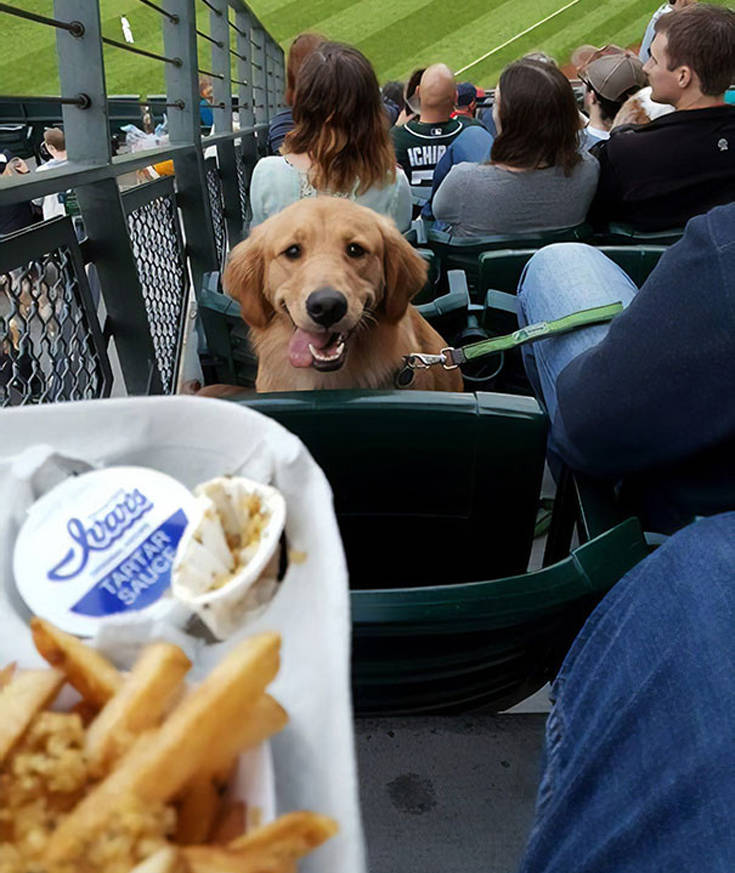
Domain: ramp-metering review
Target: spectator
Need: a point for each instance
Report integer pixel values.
(645, 51)
(467, 95)
(411, 103)
(537, 178)
(420, 144)
(339, 144)
(660, 175)
(639, 742)
(609, 79)
(282, 122)
(580, 56)
(56, 204)
(473, 145)
(17, 215)
(646, 400)
(392, 94)
(206, 95)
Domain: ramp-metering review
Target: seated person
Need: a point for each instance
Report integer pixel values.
(206, 95)
(420, 144)
(537, 178)
(466, 104)
(411, 106)
(282, 122)
(646, 401)
(15, 216)
(339, 144)
(644, 52)
(639, 741)
(658, 176)
(609, 79)
(473, 145)
(392, 94)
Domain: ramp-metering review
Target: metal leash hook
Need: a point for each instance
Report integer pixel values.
(422, 361)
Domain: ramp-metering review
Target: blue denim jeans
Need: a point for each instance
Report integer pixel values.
(640, 742)
(560, 279)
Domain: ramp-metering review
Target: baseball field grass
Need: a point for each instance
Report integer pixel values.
(477, 38)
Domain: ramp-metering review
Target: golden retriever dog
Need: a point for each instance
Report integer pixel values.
(325, 286)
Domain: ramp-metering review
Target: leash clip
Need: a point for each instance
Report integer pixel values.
(422, 361)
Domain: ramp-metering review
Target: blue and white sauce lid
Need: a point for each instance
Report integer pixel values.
(101, 546)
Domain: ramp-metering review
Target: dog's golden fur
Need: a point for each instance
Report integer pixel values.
(328, 242)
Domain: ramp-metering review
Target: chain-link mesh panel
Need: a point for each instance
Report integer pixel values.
(155, 238)
(242, 187)
(47, 350)
(217, 207)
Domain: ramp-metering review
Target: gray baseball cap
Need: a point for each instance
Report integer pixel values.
(614, 75)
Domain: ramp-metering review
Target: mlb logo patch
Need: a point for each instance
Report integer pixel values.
(436, 131)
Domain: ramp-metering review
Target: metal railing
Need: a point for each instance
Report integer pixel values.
(151, 244)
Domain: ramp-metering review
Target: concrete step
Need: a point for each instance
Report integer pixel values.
(448, 794)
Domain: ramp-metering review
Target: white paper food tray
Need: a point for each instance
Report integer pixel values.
(194, 439)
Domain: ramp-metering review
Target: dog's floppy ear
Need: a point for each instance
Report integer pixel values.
(244, 278)
(404, 270)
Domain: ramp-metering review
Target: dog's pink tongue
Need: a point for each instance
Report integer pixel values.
(298, 346)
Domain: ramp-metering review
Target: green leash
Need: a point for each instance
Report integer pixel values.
(450, 358)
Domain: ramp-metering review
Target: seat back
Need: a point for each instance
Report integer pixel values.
(429, 487)
(501, 270)
(618, 233)
(463, 253)
(490, 643)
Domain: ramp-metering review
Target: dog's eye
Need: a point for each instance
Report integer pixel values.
(293, 252)
(355, 250)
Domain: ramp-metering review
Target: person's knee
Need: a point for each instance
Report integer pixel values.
(555, 259)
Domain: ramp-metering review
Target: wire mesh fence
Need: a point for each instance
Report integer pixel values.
(242, 187)
(155, 237)
(51, 347)
(216, 193)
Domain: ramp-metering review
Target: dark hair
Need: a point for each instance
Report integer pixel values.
(340, 123)
(414, 81)
(610, 108)
(301, 48)
(702, 37)
(539, 119)
(393, 91)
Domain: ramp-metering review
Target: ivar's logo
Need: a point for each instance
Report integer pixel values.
(100, 535)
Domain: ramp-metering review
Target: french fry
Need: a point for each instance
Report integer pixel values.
(141, 703)
(166, 860)
(215, 859)
(200, 803)
(28, 692)
(6, 674)
(94, 677)
(288, 838)
(230, 824)
(163, 760)
(198, 810)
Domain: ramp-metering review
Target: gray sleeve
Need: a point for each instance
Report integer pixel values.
(450, 196)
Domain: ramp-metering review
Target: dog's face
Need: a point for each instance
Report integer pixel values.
(331, 269)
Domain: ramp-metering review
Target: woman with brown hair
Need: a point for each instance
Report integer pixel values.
(282, 122)
(339, 144)
(537, 178)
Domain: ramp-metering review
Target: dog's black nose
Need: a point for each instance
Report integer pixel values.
(326, 306)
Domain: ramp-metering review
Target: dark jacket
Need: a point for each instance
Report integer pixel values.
(654, 402)
(281, 124)
(659, 175)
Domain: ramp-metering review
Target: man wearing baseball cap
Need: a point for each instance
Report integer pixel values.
(657, 176)
(609, 79)
(467, 95)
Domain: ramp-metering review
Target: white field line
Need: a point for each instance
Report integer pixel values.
(517, 36)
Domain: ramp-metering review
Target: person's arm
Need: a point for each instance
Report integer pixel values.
(606, 202)
(401, 206)
(660, 386)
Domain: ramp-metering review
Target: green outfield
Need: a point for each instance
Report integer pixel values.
(397, 35)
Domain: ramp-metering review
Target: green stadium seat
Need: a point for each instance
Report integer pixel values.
(501, 270)
(229, 356)
(625, 234)
(450, 648)
(430, 488)
(462, 253)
